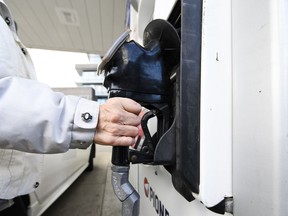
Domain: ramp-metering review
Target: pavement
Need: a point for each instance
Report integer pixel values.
(91, 194)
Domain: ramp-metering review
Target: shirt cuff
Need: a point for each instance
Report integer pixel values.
(85, 123)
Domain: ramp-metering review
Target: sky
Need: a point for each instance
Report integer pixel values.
(57, 68)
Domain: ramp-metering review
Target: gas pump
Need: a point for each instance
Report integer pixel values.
(143, 74)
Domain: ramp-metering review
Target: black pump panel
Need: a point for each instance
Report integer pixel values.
(186, 173)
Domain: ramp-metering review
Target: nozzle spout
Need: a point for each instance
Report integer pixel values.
(124, 191)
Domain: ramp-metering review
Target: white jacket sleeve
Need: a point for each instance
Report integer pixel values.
(33, 118)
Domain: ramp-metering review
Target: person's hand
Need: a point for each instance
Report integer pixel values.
(117, 122)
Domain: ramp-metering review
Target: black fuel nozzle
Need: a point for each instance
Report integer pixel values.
(141, 73)
(120, 156)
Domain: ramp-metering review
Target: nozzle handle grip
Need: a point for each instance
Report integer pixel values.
(120, 156)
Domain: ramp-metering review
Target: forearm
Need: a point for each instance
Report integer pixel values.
(36, 119)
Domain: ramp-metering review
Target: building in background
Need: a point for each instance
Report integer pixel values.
(88, 77)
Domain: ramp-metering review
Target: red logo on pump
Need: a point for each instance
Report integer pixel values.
(146, 187)
(158, 205)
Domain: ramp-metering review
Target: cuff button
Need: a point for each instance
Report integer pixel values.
(86, 117)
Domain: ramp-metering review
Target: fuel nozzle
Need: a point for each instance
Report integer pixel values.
(124, 191)
(141, 73)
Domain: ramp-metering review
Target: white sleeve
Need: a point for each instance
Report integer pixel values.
(33, 118)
